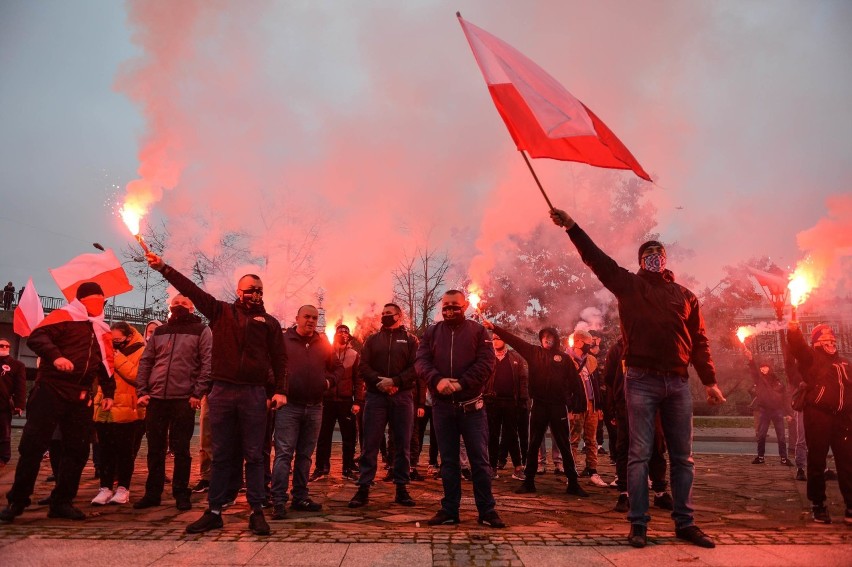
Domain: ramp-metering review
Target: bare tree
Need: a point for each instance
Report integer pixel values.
(418, 280)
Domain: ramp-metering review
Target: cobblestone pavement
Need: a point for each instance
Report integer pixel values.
(746, 508)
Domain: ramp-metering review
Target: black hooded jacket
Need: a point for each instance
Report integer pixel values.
(828, 376)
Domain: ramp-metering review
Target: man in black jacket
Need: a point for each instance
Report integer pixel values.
(455, 359)
(387, 368)
(312, 368)
(75, 346)
(505, 389)
(13, 394)
(770, 398)
(664, 333)
(248, 347)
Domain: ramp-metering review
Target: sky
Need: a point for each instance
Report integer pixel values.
(370, 124)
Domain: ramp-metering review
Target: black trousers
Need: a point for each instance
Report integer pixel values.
(502, 427)
(169, 423)
(657, 463)
(823, 431)
(339, 412)
(46, 410)
(117, 441)
(420, 424)
(555, 416)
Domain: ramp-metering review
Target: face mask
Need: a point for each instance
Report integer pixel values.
(654, 262)
(118, 344)
(453, 314)
(388, 320)
(179, 311)
(94, 305)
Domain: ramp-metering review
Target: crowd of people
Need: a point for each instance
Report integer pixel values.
(270, 398)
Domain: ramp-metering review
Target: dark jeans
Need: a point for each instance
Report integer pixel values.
(340, 412)
(667, 393)
(776, 417)
(657, 462)
(556, 417)
(824, 431)
(379, 411)
(502, 419)
(451, 422)
(116, 441)
(522, 418)
(45, 410)
(237, 424)
(169, 422)
(611, 433)
(297, 428)
(420, 429)
(5, 435)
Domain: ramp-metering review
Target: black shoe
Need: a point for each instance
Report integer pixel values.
(258, 524)
(361, 497)
(575, 489)
(638, 536)
(10, 512)
(800, 474)
(758, 460)
(830, 474)
(97, 473)
(786, 462)
(316, 475)
(623, 504)
(52, 477)
(201, 486)
(414, 475)
(403, 497)
(695, 536)
(525, 488)
(665, 501)
(821, 514)
(46, 500)
(388, 476)
(147, 502)
(602, 451)
(492, 520)
(350, 474)
(466, 474)
(208, 521)
(306, 505)
(66, 511)
(182, 503)
(442, 518)
(586, 472)
(501, 465)
(279, 511)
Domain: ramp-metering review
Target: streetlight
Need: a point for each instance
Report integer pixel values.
(773, 283)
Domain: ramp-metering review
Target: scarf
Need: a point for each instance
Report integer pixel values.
(76, 311)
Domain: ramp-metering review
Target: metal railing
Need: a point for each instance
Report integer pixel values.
(112, 312)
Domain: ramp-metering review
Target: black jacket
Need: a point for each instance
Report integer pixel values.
(13, 384)
(247, 343)
(520, 375)
(828, 377)
(389, 353)
(312, 367)
(613, 377)
(553, 377)
(660, 320)
(463, 352)
(769, 392)
(350, 387)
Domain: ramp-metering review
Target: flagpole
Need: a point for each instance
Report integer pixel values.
(540, 188)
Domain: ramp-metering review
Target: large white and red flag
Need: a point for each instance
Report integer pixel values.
(29, 311)
(103, 268)
(542, 116)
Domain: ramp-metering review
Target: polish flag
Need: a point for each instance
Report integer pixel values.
(103, 268)
(542, 116)
(29, 311)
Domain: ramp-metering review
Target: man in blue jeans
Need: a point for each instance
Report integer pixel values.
(312, 368)
(663, 334)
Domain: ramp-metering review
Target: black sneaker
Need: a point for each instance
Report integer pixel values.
(466, 474)
(258, 524)
(847, 517)
(623, 504)
(201, 486)
(182, 503)
(403, 497)
(665, 501)
(388, 476)
(443, 518)
(821, 514)
(316, 475)
(602, 451)
(638, 536)
(208, 521)
(575, 489)
(525, 488)
(830, 474)
(800, 474)
(492, 520)
(587, 472)
(695, 536)
(414, 475)
(10, 512)
(350, 474)
(786, 462)
(279, 511)
(361, 498)
(66, 511)
(758, 460)
(146, 502)
(306, 505)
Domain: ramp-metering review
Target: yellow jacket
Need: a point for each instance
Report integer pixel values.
(124, 408)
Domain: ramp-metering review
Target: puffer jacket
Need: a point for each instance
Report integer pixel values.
(177, 360)
(828, 377)
(124, 409)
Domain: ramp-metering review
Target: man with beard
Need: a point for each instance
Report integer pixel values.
(664, 333)
(387, 368)
(827, 413)
(456, 358)
(247, 346)
(13, 397)
(173, 376)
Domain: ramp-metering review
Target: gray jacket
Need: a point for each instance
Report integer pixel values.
(176, 362)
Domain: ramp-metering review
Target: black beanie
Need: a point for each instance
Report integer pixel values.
(648, 245)
(89, 288)
(550, 331)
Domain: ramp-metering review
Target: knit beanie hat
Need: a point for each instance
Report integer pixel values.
(89, 288)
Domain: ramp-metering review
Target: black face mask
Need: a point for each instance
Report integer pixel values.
(453, 315)
(179, 311)
(117, 345)
(388, 320)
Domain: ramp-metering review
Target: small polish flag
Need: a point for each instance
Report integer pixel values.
(29, 311)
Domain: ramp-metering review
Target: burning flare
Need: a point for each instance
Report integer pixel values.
(132, 217)
(802, 282)
(474, 296)
(745, 332)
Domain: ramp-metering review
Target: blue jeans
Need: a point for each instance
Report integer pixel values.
(776, 417)
(379, 410)
(648, 392)
(801, 441)
(297, 428)
(450, 423)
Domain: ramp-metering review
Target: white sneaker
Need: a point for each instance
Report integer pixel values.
(595, 479)
(121, 496)
(614, 483)
(104, 494)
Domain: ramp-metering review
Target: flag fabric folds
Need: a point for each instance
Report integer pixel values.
(104, 268)
(29, 311)
(543, 118)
